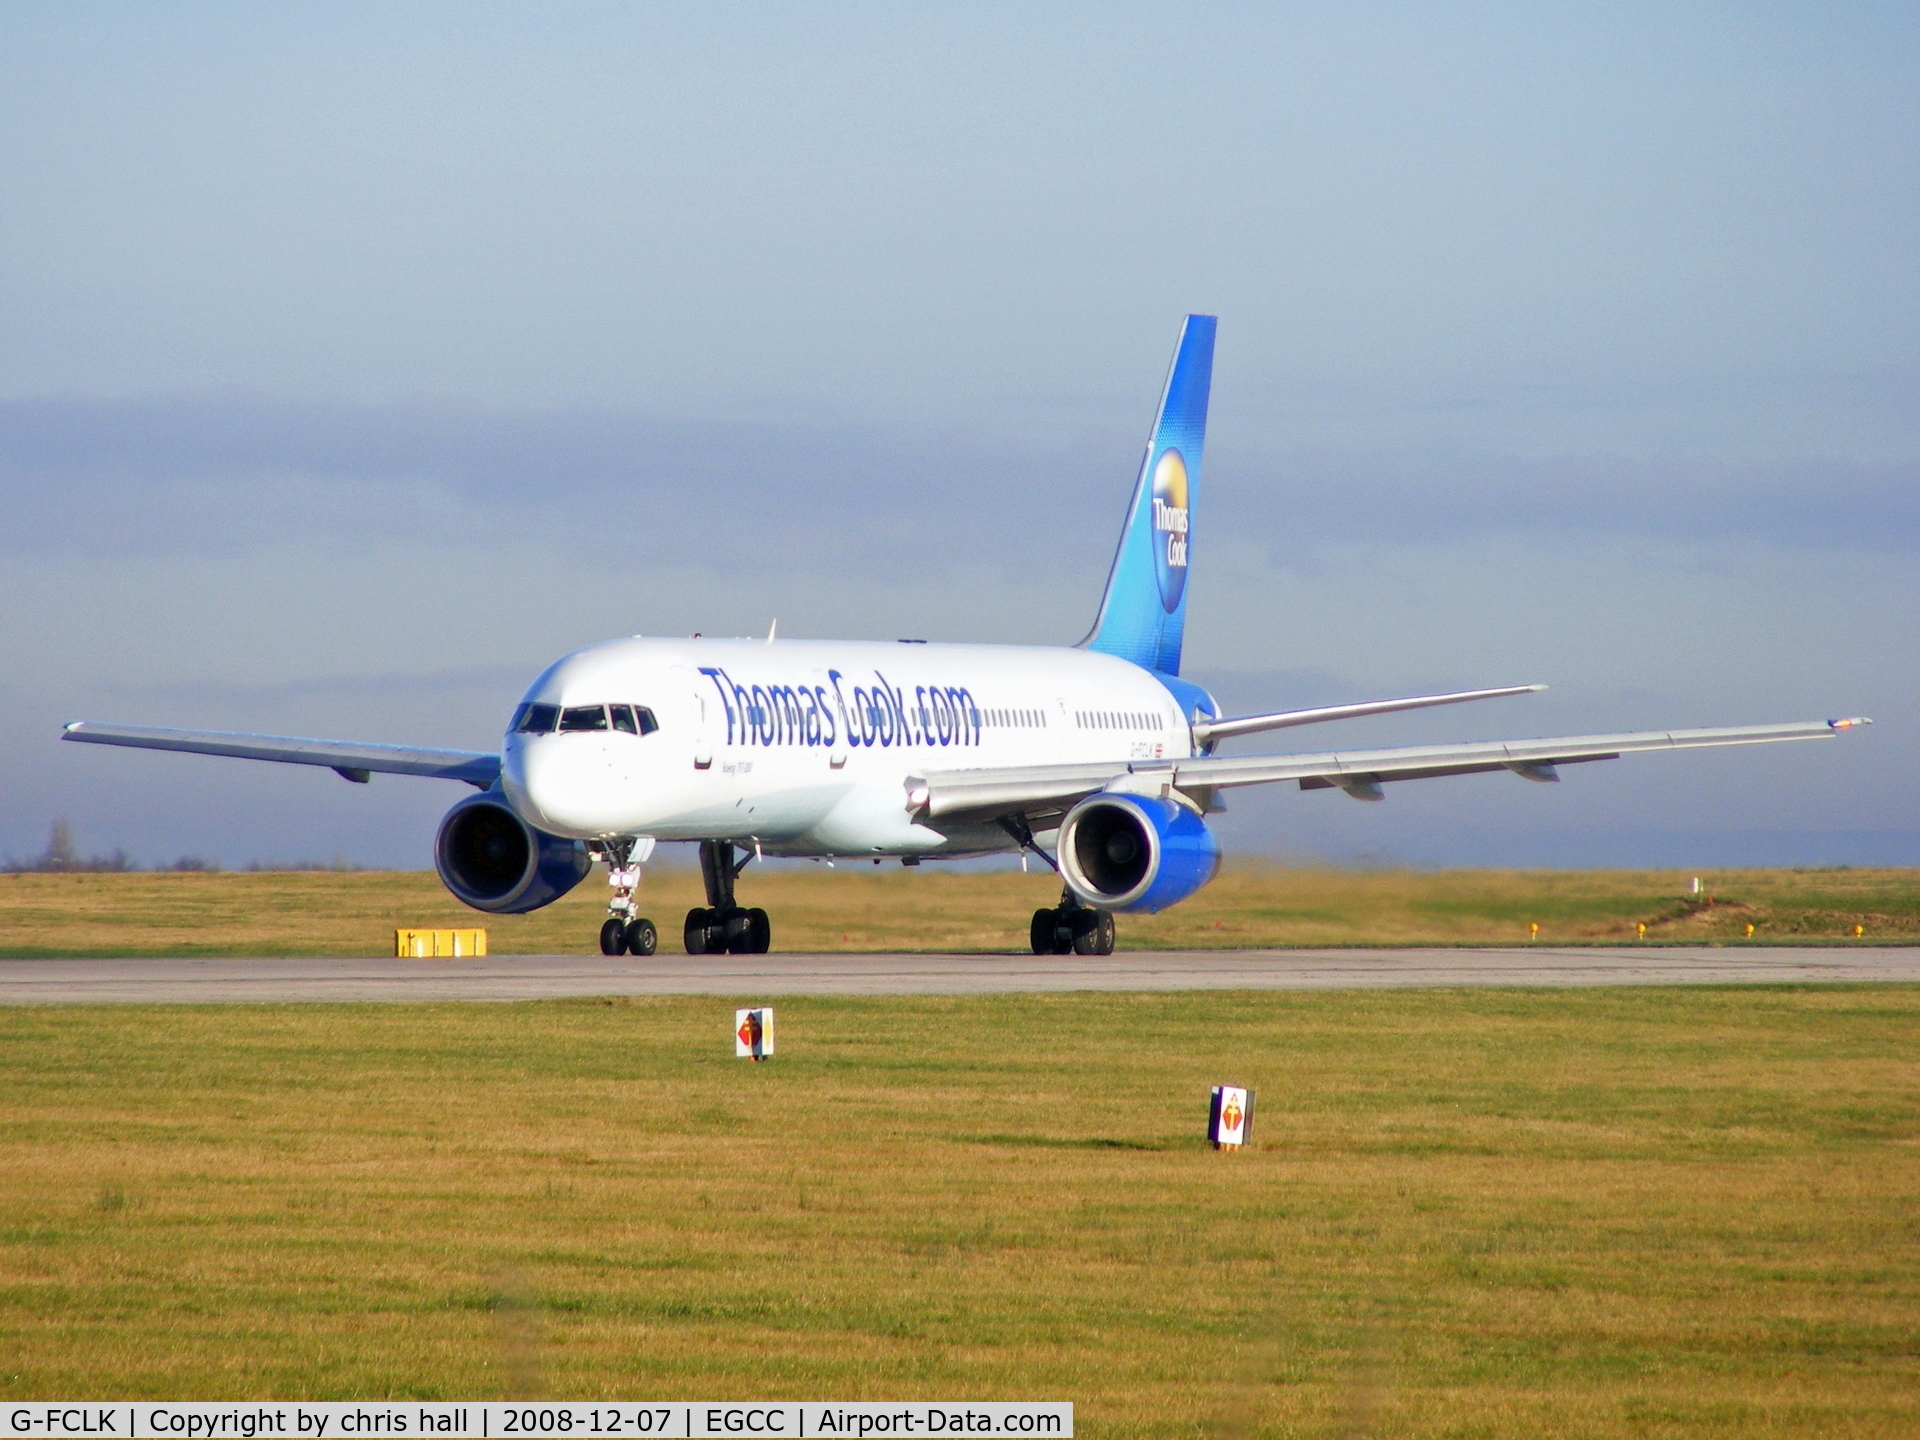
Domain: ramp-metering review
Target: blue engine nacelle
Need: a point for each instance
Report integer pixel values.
(1135, 852)
(493, 860)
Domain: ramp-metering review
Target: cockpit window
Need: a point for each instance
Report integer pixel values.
(535, 719)
(531, 719)
(633, 719)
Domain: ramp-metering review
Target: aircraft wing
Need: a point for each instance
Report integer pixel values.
(353, 760)
(1205, 729)
(1044, 789)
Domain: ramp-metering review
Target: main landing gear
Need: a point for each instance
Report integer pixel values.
(1069, 927)
(722, 927)
(1072, 928)
(624, 931)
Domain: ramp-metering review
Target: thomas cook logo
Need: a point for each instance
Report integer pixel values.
(1170, 528)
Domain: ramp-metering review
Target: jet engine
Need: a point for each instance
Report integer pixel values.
(1135, 852)
(493, 860)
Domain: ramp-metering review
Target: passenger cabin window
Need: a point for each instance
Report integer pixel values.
(535, 719)
(1116, 720)
(583, 717)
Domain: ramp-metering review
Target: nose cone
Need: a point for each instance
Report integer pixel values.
(563, 784)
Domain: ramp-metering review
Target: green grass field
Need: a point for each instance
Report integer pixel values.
(1634, 1212)
(866, 908)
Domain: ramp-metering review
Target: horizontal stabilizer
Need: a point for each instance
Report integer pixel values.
(1206, 731)
(354, 761)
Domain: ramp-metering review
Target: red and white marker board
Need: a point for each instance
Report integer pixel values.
(1230, 1117)
(753, 1033)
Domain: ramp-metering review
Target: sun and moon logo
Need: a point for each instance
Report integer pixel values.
(1170, 527)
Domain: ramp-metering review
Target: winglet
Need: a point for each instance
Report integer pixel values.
(1848, 724)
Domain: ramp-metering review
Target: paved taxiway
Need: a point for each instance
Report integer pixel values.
(532, 977)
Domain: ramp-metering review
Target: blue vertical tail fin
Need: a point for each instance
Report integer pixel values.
(1144, 612)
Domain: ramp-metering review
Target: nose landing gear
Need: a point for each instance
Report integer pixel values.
(1071, 928)
(625, 931)
(621, 937)
(722, 927)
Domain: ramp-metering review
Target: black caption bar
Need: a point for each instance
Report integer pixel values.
(545, 1420)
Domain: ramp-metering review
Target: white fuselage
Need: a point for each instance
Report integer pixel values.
(807, 747)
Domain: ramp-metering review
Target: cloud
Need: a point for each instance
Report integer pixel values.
(212, 475)
(205, 475)
(1438, 498)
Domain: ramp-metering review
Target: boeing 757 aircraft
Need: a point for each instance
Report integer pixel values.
(1097, 758)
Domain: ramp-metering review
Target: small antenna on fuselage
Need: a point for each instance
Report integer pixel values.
(771, 628)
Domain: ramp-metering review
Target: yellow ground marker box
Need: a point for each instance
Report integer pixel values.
(433, 944)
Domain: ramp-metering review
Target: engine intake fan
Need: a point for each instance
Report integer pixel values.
(493, 860)
(1135, 852)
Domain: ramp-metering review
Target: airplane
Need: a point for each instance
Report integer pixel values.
(1097, 759)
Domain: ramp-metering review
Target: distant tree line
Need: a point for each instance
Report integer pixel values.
(63, 857)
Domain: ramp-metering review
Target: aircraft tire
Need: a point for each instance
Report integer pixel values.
(1085, 925)
(641, 937)
(1104, 930)
(698, 933)
(613, 937)
(1063, 931)
(759, 932)
(1040, 932)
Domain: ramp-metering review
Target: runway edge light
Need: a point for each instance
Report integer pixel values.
(1230, 1117)
(753, 1033)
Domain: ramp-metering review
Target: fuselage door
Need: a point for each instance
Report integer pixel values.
(705, 702)
(703, 737)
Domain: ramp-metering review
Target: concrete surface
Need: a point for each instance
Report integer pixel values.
(529, 977)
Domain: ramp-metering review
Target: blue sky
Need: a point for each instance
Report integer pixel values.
(356, 361)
